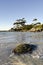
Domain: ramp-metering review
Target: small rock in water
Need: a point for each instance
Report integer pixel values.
(22, 48)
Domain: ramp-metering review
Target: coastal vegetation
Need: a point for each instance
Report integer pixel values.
(20, 25)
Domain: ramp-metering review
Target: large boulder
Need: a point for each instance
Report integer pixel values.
(22, 48)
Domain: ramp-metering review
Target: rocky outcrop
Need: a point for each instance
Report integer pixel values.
(36, 28)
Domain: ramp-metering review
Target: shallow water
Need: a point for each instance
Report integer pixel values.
(9, 40)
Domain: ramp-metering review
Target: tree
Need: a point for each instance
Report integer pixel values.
(35, 19)
(42, 26)
(20, 23)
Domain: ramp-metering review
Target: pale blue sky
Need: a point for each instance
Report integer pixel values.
(10, 10)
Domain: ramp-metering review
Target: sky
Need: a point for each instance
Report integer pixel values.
(11, 10)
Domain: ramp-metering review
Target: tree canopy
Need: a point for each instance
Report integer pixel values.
(20, 21)
(35, 19)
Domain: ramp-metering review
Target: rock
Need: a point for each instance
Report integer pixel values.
(22, 48)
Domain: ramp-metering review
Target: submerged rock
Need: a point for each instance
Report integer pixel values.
(22, 48)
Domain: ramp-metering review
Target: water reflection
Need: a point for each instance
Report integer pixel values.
(20, 37)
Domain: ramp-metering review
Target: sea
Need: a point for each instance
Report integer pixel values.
(10, 40)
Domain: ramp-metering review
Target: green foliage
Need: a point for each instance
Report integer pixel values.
(21, 26)
(35, 19)
(42, 26)
(37, 23)
(11, 30)
(20, 21)
(27, 27)
(38, 26)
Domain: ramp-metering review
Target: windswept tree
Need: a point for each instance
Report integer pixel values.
(35, 19)
(20, 22)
